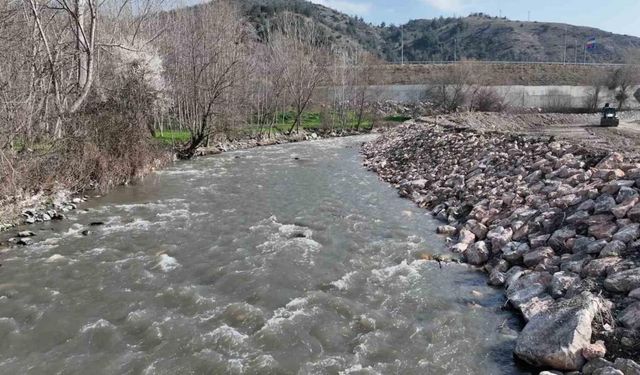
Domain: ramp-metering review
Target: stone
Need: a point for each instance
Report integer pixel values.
(478, 229)
(614, 248)
(477, 254)
(623, 282)
(622, 209)
(628, 233)
(627, 366)
(465, 236)
(613, 187)
(630, 317)
(581, 244)
(578, 217)
(532, 258)
(598, 267)
(24, 241)
(611, 161)
(603, 231)
(418, 184)
(626, 193)
(595, 350)
(587, 205)
(447, 230)
(635, 294)
(25, 234)
(608, 371)
(499, 237)
(558, 240)
(634, 213)
(596, 246)
(562, 281)
(539, 240)
(497, 278)
(604, 204)
(595, 364)
(535, 305)
(514, 251)
(557, 337)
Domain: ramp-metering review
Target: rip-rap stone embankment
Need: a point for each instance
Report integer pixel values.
(554, 223)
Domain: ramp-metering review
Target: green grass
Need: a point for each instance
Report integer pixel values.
(314, 120)
(397, 118)
(171, 136)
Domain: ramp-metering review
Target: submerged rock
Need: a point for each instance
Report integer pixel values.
(557, 337)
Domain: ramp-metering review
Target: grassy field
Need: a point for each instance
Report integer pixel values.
(311, 121)
(173, 136)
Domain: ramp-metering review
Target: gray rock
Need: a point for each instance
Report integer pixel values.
(497, 278)
(603, 231)
(465, 236)
(581, 244)
(594, 365)
(608, 371)
(596, 247)
(478, 229)
(556, 337)
(627, 366)
(604, 204)
(558, 240)
(630, 317)
(628, 233)
(477, 254)
(24, 241)
(625, 194)
(613, 187)
(499, 237)
(25, 234)
(535, 306)
(595, 350)
(447, 230)
(613, 249)
(539, 241)
(634, 213)
(623, 282)
(514, 251)
(532, 258)
(598, 267)
(622, 209)
(561, 282)
(587, 205)
(635, 294)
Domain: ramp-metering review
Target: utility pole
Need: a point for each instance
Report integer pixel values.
(402, 44)
(564, 52)
(455, 48)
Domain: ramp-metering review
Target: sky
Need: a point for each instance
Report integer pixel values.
(618, 16)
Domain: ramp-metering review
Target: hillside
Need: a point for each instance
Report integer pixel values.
(478, 36)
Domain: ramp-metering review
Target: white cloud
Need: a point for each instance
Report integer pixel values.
(445, 5)
(349, 7)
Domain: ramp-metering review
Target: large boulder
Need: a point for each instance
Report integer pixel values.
(623, 282)
(557, 337)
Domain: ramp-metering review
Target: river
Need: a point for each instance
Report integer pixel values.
(289, 259)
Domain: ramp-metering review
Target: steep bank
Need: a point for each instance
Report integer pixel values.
(555, 223)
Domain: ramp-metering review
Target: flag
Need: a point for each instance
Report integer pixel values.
(591, 44)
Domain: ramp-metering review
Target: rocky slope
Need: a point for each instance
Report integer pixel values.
(478, 36)
(555, 224)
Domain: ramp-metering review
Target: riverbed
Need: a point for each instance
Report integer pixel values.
(287, 259)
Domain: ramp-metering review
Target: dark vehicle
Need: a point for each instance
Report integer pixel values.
(609, 117)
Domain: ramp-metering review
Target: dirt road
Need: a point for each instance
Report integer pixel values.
(584, 129)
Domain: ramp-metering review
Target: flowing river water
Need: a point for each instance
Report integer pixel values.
(289, 259)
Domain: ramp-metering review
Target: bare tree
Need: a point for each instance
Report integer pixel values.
(205, 49)
(298, 48)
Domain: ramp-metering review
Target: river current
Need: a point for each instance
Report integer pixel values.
(289, 259)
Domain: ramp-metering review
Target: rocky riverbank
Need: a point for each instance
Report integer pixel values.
(554, 223)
